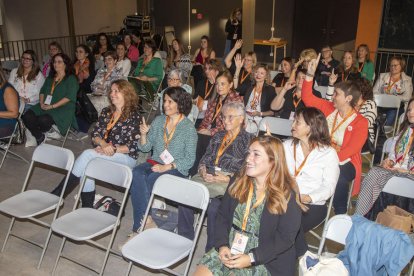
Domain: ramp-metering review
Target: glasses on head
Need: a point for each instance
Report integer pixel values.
(25, 58)
(229, 117)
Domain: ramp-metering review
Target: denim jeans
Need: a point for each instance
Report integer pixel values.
(141, 188)
(89, 154)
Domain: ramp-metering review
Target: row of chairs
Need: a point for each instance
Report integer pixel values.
(153, 248)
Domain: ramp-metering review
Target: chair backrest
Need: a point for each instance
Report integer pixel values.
(277, 126)
(109, 172)
(400, 186)
(322, 90)
(337, 228)
(388, 101)
(182, 191)
(388, 145)
(54, 156)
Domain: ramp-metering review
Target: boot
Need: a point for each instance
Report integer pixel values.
(73, 181)
(87, 199)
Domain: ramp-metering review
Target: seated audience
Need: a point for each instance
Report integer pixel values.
(258, 99)
(122, 61)
(84, 67)
(348, 131)
(54, 48)
(102, 45)
(396, 83)
(399, 163)
(172, 139)
(365, 65)
(347, 69)
(27, 79)
(241, 68)
(259, 218)
(281, 78)
(114, 138)
(179, 59)
(57, 100)
(175, 78)
(201, 55)
(101, 85)
(132, 51)
(325, 66)
(9, 106)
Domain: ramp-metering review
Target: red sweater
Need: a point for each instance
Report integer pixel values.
(355, 135)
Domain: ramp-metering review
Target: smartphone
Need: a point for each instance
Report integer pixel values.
(211, 170)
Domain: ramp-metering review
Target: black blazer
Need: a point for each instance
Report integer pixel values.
(277, 235)
(268, 94)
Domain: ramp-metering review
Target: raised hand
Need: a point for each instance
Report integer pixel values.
(238, 61)
(332, 78)
(289, 85)
(238, 44)
(143, 127)
(312, 65)
(297, 64)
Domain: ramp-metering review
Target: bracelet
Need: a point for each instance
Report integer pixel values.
(330, 85)
(309, 75)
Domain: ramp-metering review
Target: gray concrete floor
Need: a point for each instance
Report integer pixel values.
(20, 257)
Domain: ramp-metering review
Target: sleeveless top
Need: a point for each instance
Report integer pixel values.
(199, 58)
(6, 122)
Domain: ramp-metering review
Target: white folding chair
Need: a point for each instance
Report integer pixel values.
(325, 221)
(84, 224)
(162, 248)
(30, 204)
(6, 147)
(278, 126)
(388, 146)
(336, 229)
(388, 101)
(322, 90)
(351, 188)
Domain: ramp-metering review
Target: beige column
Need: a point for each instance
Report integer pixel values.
(249, 11)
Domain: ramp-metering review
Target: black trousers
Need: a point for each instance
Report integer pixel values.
(37, 124)
(346, 175)
(202, 144)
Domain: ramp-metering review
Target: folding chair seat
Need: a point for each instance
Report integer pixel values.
(336, 229)
(277, 126)
(389, 101)
(157, 248)
(85, 224)
(31, 203)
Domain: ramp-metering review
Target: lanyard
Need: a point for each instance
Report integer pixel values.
(390, 85)
(206, 90)
(54, 84)
(360, 67)
(111, 124)
(407, 149)
(248, 203)
(256, 99)
(297, 170)
(243, 77)
(345, 79)
(334, 127)
(224, 145)
(296, 102)
(218, 109)
(168, 138)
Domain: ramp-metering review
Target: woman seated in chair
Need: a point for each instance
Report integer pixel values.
(57, 100)
(27, 79)
(172, 139)
(122, 61)
(9, 106)
(53, 48)
(101, 85)
(132, 51)
(259, 218)
(347, 69)
(201, 55)
(175, 78)
(314, 164)
(149, 69)
(115, 137)
(241, 68)
(102, 45)
(365, 65)
(396, 83)
(179, 59)
(84, 67)
(348, 131)
(279, 81)
(258, 99)
(399, 163)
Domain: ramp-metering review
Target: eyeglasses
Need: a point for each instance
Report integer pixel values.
(25, 58)
(173, 79)
(394, 65)
(229, 117)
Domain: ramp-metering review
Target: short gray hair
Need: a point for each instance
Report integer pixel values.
(239, 107)
(177, 72)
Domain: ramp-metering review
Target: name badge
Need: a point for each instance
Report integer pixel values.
(166, 157)
(292, 116)
(205, 104)
(235, 36)
(48, 99)
(239, 244)
(217, 169)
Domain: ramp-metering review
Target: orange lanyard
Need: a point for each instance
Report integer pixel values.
(111, 124)
(218, 109)
(390, 85)
(167, 138)
(297, 170)
(208, 91)
(54, 84)
(360, 67)
(223, 147)
(343, 75)
(256, 99)
(334, 127)
(248, 203)
(243, 77)
(295, 102)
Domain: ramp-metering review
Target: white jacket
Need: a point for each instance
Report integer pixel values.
(405, 86)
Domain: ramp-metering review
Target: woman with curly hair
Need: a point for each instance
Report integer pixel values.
(114, 138)
(259, 218)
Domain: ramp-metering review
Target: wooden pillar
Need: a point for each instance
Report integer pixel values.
(249, 12)
(71, 24)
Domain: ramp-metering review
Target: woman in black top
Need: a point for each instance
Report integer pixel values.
(347, 69)
(286, 66)
(233, 30)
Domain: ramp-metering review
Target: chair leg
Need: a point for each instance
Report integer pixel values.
(350, 195)
(58, 257)
(45, 248)
(8, 234)
(4, 156)
(129, 268)
(108, 251)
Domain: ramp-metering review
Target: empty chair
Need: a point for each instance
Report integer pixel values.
(388, 101)
(162, 248)
(30, 204)
(84, 224)
(277, 126)
(336, 229)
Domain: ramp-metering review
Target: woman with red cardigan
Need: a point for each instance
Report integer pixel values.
(348, 130)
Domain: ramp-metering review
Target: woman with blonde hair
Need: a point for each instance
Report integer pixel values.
(259, 218)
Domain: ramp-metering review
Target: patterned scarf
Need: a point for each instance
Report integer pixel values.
(82, 70)
(400, 148)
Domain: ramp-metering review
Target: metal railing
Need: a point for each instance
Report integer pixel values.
(383, 55)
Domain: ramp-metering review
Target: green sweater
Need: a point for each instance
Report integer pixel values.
(368, 71)
(154, 69)
(182, 145)
(64, 115)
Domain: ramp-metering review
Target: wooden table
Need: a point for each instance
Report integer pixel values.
(275, 44)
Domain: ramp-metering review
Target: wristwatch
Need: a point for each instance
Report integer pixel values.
(252, 260)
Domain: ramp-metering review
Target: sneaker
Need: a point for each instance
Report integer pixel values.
(53, 134)
(30, 139)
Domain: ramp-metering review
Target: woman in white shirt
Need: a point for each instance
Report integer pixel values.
(123, 62)
(313, 163)
(27, 79)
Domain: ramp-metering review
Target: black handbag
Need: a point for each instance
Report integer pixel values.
(86, 108)
(19, 136)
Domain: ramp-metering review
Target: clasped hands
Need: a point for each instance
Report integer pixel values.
(233, 261)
